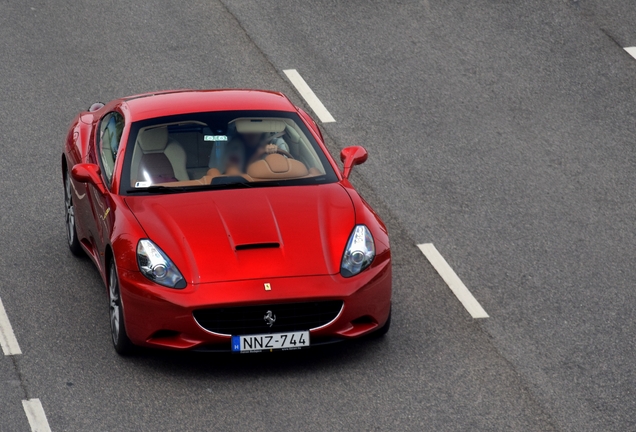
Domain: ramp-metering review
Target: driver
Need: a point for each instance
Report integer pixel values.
(247, 148)
(258, 144)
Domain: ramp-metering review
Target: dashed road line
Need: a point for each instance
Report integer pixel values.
(35, 414)
(631, 51)
(452, 280)
(8, 342)
(309, 96)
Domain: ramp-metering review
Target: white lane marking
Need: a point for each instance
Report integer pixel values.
(8, 342)
(35, 414)
(452, 280)
(631, 51)
(309, 96)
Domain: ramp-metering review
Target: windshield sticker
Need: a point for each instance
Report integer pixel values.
(214, 137)
(142, 184)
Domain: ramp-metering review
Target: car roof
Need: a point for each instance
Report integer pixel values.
(175, 102)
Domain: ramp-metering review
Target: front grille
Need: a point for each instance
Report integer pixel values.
(246, 320)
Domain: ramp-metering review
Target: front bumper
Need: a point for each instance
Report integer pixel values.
(162, 317)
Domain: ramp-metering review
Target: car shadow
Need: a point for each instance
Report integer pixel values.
(320, 358)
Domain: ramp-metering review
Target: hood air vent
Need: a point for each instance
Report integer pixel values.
(257, 246)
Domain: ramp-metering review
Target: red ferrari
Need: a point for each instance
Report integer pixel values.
(219, 222)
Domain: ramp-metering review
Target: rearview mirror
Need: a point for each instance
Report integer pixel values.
(88, 173)
(350, 156)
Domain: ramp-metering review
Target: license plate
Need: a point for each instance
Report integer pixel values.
(270, 342)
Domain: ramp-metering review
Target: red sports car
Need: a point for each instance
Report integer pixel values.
(219, 221)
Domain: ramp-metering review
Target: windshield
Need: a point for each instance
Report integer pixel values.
(221, 150)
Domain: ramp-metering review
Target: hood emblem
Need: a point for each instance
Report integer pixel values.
(268, 287)
(269, 318)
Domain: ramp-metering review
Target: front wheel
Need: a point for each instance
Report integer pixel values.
(69, 213)
(122, 344)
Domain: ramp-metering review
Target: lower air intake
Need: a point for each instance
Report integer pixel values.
(283, 317)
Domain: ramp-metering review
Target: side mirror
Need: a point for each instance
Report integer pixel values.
(350, 156)
(88, 173)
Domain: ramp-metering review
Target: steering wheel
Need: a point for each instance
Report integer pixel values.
(268, 141)
(283, 152)
(279, 151)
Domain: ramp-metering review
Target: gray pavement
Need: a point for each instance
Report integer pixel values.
(614, 17)
(502, 132)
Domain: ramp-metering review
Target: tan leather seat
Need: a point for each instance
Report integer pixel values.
(158, 158)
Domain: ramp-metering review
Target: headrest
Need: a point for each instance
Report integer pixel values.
(259, 125)
(153, 140)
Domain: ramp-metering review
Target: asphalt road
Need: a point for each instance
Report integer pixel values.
(501, 132)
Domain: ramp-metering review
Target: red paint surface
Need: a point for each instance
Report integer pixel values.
(200, 232)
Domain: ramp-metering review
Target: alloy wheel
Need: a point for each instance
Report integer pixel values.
(115, 304)
(69, 211)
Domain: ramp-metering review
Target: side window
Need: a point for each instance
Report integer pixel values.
(110, 129)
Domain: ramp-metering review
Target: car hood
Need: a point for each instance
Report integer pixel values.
(238, 234)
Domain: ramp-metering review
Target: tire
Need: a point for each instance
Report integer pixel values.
(69, 214)
(121, 342)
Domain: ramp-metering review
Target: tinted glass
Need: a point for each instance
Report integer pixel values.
(110, 130)
(222, 149)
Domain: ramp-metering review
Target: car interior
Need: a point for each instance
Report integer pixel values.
(188, 153)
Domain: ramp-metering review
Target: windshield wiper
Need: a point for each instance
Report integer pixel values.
(234, 181)
(226, 185)
(229, 182)
(194, 188)
(158, 189)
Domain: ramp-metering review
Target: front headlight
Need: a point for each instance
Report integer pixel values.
(359, 252)
(156, 266)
